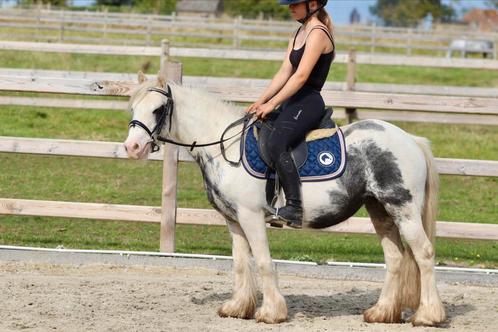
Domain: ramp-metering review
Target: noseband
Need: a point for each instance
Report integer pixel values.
(161, 114)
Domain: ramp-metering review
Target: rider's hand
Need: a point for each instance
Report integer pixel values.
(253, 107)
(263, 110)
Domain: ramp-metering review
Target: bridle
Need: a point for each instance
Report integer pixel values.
(161, 114)
(166, 110)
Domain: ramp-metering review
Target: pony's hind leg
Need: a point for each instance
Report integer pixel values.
(388, 307)
(243, 302)
(274, 309)
(430, 310)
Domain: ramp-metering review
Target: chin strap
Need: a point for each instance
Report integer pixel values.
(309, 13)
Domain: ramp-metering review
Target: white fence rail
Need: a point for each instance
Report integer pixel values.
(439, 106)
(370, 59)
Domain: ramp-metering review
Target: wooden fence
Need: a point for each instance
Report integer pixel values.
(365, 59)
(168, 214)
(409, 103)
(142, 29)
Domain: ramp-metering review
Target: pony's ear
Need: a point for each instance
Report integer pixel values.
(141, 77)
(161, 80)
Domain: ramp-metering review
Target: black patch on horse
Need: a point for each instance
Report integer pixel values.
(215, 196)
(387, 175)
(351, 198)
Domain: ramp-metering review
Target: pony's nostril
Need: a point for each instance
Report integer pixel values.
(125, 147)
(135, 147)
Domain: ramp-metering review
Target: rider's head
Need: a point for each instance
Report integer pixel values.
(302, 10)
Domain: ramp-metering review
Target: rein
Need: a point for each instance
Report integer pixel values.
(167, 110)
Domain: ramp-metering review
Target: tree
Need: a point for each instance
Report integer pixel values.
(409, 12)
(492, 3)
(56, 3)
(155, 6)
(254, 8)
(144, 6)
(116, 3)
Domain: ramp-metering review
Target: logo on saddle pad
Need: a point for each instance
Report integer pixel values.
(326, 158)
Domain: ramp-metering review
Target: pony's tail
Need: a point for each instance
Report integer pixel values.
(410, 273)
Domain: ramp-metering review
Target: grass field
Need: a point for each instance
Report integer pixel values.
(246, 68)
(471, 199)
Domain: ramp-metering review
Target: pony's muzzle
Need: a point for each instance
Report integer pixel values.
(134, 149)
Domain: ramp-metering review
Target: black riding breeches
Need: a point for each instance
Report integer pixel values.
(300, 114)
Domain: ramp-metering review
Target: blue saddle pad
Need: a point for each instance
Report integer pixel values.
(326, 158)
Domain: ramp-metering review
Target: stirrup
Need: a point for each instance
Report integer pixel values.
(275, 220)
(290, 221)
(272, 218)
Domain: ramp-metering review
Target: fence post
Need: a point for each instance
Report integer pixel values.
(351, 113)
(372, 38)
(149, 30)
(164, 57)
(495, 49)
(236, 23)
(61, 34)
(172, 71)
(106, 16)
(409, 39)
(38, 18)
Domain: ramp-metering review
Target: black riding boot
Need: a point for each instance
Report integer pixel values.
(288, 175)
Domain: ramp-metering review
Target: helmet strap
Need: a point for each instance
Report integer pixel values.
(309, 13)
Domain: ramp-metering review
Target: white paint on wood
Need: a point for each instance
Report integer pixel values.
(346, 99)
(116, 150)
(97, 211)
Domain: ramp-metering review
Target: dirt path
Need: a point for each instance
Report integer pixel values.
(47, 297)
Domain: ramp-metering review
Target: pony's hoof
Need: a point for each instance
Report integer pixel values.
(236, 309)
(267, 317)
(272, 314)
(424, 317)
(382, 314)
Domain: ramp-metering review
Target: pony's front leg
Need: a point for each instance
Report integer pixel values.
(274, 309)
(243, 302)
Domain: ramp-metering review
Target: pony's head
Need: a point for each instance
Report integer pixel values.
(151, 106)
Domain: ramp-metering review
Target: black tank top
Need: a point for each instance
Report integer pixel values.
(318, 75)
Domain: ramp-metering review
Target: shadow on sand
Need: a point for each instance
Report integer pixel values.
(352, 302)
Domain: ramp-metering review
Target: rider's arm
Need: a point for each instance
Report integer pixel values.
(314, 47)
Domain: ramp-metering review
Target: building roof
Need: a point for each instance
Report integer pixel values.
(199, 6)
(486, 19)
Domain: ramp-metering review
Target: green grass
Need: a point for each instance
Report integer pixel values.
(246, 68)
(284, 244)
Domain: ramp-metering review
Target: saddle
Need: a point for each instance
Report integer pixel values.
(327, 127)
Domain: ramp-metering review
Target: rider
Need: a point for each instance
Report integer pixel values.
(296, 87)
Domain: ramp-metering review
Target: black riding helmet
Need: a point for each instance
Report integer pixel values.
(321, 4)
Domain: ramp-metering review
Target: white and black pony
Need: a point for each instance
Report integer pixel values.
(389, 171)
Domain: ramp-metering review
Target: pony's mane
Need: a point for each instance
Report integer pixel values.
(200, 96)
(203, 97)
